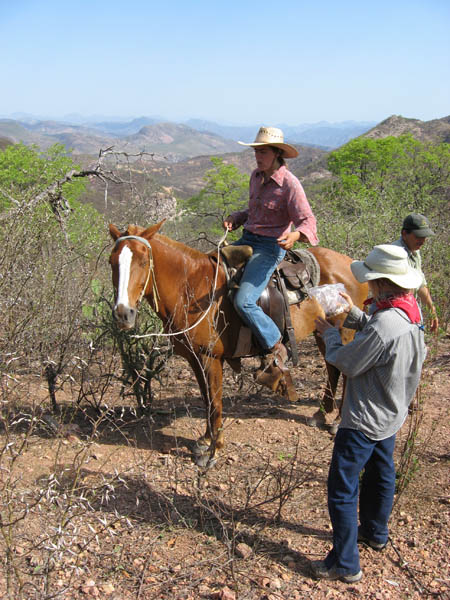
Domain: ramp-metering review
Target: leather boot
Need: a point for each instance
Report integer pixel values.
(275, 373)
(280, 354)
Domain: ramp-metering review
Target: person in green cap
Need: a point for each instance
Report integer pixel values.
(415, 229)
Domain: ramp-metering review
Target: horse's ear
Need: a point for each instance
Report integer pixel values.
(114, 232)
(150, 231)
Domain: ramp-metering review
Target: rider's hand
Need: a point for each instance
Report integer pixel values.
(228, 224)
(287, 240)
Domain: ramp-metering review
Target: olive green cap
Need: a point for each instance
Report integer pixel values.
(418, 224)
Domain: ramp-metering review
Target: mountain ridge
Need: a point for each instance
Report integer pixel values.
(436, 130)
(181, 155)
(136, 135)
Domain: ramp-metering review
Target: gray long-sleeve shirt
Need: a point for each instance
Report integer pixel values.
(383, 365)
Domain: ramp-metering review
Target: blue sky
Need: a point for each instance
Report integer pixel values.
(236, 62)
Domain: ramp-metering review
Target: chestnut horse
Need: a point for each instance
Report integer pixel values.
(188, 291)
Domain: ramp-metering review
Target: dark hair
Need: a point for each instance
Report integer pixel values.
(279, 155)
(396, 290)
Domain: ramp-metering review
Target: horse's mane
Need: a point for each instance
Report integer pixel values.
(183, 248)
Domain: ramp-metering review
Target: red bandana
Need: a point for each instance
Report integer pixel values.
(407, 303)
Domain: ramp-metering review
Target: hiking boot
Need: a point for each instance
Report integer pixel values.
(320, 571)
(374, 545)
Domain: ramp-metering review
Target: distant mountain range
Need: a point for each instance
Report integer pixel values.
(322, 134)
(174, 142)
(182, 152)
(185, 178)
(169, 141)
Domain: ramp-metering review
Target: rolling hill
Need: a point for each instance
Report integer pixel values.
(169, 142)
(176, 142)
(435, 131)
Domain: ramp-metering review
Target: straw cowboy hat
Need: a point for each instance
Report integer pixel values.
(390, 262)
(272, 136)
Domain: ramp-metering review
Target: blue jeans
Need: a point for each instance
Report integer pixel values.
(267, 254)
(353, 451)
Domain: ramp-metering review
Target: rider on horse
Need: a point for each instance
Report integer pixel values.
(277, 202)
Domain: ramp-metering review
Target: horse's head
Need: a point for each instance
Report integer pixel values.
(131, 262)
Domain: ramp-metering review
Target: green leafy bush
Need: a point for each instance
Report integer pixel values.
(377, 182)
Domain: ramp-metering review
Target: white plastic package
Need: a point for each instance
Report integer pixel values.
(328, 296)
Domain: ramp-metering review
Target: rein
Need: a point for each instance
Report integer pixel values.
(221, 241)
(150, 267)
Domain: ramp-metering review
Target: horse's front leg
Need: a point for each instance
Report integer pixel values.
(209, 373)
(328, 403)
(335, 424)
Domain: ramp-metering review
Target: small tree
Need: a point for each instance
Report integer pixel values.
(141, 352)
(25, 171)
(47, 263)
(226, 190)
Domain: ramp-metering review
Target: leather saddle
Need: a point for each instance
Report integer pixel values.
(288, 285)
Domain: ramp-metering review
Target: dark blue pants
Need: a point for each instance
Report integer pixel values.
(353, 451)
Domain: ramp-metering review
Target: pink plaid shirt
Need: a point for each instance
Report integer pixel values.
(275, 206)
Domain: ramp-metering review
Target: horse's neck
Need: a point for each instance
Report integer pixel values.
(178, 269)
(170, 255)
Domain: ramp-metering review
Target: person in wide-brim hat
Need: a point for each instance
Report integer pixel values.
(272, 136)
(386, 261)
(382, 365)
(278, 215)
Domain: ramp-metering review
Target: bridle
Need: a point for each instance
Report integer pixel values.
(151, 269)
(155, 289)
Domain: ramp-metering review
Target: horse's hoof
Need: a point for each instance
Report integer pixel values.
(202, 455)
(316, 420)
(205, 461)
(200, 448)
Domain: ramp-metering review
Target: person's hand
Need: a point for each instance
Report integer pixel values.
(287, 240)
(322, 325)
(228, 224)
(348, 299)
(434, 324)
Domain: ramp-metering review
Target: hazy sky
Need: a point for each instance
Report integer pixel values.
(237, 62)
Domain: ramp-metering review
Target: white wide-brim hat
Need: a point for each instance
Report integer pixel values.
(390, 262)
(272, 136)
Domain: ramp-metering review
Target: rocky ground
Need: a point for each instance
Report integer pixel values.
(115, 508)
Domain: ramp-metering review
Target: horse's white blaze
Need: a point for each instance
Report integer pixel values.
(124, 276)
